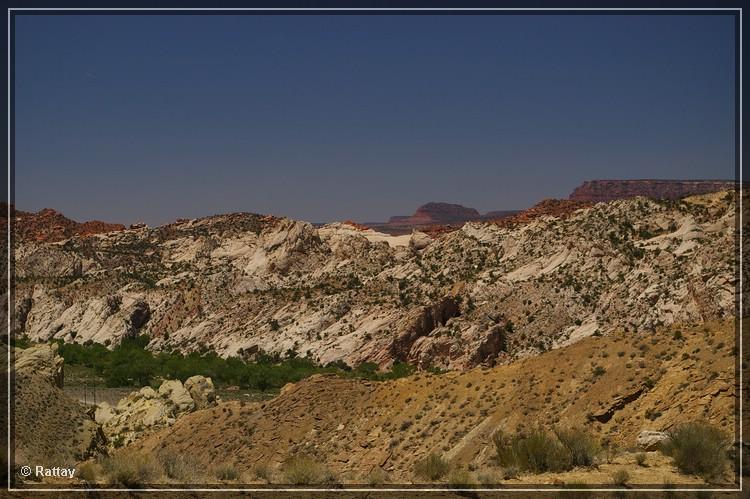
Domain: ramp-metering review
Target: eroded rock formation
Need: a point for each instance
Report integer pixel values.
(148, 409)
(596, 191)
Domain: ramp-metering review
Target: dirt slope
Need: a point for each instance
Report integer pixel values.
(49, 428)
(643, 381)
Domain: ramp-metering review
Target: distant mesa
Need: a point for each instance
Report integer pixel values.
(438, 213)
(438, 217)
(596, 191)
(434, 218)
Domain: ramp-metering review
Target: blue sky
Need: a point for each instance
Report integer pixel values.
(326, 117)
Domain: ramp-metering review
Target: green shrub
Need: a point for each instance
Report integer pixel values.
(87, 472)
(620, 477)
(640, 459)
(132, 469)
(262, 472)
(511, 472)
(536, 451)
(377, 476)
(459, 478)
(488, 479)
(433, 467)
(226, 471)
(697, 449)
(180, 467)
(130, 364)
(582, 448)
(303, 470)
(20, 341)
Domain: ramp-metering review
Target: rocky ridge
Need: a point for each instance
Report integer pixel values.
(596, 191)
(148, 410)
(49, 225)
(484, 294)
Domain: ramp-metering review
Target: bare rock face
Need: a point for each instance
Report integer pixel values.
(41, 360)
(148, 409)
(22, 309)
(103, 413)
(139, 315)
(240, 284)
(650, 440)
(173, 391)
(422, 323)
(597, 191)
(201, 390)
(419, 240)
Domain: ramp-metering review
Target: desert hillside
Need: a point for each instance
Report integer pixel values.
(486, 294)
(616, 386)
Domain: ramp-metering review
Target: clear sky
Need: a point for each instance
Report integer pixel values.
(329, 117)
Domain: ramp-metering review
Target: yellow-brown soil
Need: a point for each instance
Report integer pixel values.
(615, 386)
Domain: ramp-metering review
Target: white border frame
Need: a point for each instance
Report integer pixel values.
(354, 490)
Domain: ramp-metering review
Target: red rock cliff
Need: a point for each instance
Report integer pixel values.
(49, 225)
(596, 191)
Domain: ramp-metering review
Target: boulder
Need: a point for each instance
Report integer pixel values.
(148, 409)
(155, 413)
(175, 392)
(596, 251)
(202, 391)
(103, 413)
(419, 240)
(650, 440)
(41, 360)
(147, 393)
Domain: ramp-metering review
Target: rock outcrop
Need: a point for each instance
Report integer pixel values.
(558, 208)
(50, 428)
(41, 360)
(419, 240)
(242, 283)
(596, 191)
(650, 440)
(148, 409)
(49, 225)
(201, 390)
